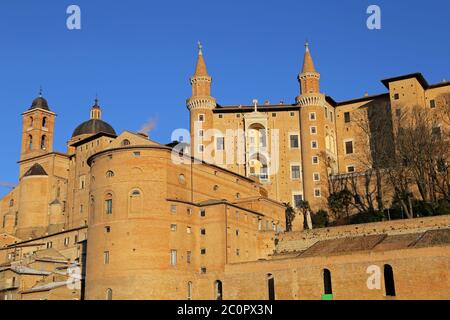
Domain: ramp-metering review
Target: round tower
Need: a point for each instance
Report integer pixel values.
(200, 105)
(312, 128)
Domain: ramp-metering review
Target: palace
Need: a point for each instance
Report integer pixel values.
(115, 217)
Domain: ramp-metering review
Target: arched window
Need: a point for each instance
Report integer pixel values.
(11, 203)
(44, 142)
(271, 286)
(218, 290)
(30, 142)
(136, 201)
(189, 290)
(109, 294)
(126, 142)
(44, 122)
(327, 288)
(109, 174)
(389, 283)
(109, 204)
(31, 122)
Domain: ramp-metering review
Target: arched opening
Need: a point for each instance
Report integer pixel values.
(189, 290)
(109, 204)
(109, 174)
(30, 142)
(31, 122)
(257, 137)
(271, 286)
(126, 142)
(44, 122)
(218, 290)
(327, 287)
(136, 201)
(109, 294)
(389, 283)
(44, 142)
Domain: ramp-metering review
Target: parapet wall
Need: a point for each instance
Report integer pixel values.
(299, 241)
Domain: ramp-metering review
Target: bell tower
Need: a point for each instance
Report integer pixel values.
(38, 124)
(200, 104)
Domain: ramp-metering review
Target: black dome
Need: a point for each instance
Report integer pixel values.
(93, 126)
(40, 103)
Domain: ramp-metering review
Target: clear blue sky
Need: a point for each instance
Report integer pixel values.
(138, 56)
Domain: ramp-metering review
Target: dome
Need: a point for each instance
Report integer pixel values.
(93, 126)
(39, 103)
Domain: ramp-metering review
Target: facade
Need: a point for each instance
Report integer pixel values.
(119, 216)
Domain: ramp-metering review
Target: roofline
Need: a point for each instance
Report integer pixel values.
(423, 82)
(43, 237)
(40, 109)
(334, 103)
(92, 137)
(44, 155)
(163, 147)
(242, 109)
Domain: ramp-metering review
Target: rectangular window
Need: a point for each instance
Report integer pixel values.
(188, 257)
(66, 241)
(189, 211)
(106, 257)
(396, 96)
(292, 114)
(432, 104)
(109, 206)
(237, 232)
(136, 154)
(81, 208)
(294, 141)
(220, 116)
(238, 252)
(331, 116)
(315, 160)
(259, 224)
(295, 172)
(173, 208)
(203, 232)
(312, 116)
(82, 182)
(173, 257)
(202, 213)
(350, 169)
(326, 112)
(201, 117)
(201, 148)
(107, 229)
(189, 230)
(298, 198)
(203, 251)
(348, 147)
(274, 115)
(220, 143)
(317, 193)
(314, 144)
(316, 176)
(200, 133)
(346, 117)
(173, 227)
(203, 270)
(313, 130)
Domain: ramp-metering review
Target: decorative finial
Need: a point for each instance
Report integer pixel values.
(200, 47)
(40, 91)
(96, 100)
(306, 45)
(255, 103)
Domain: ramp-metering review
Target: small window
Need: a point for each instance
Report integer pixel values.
(317, 193)
(298, 200)
(274, 115)
(173, 257)
(173, 208)
(396, 96)
(315, 160)
(201, 148)
(126, 142)
(238, 115)
(135, 193)
(350, 169)
(136, 154)
(109, 204)
(109, 174)
(294, 141)
(189, 211)
(346, 117)
(295, 172)
(11, 203)
(314, 144)
(292, 114)
(188, 256)
(348, 147)
(203, 270)
(220, 116)
(238, 252)
(201, 133)
(237, 232)
(238, 195)
(220, 144)
(203, 232)
(316, 176)
(202, 213)
(216, 188)
(189, 289)
(106, 257)
(107, 229)
(203, 251)
(313, 130)
(312, 116)
(44, 142)
(173, 227)
(432, 104)
(189, 230)
(201, 117)
(44, 122)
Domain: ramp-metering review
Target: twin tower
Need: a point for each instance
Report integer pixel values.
(313, 123)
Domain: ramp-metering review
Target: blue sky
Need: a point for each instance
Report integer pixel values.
(138, 56)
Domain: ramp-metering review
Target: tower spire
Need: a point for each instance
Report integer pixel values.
(308, 78)
(200, 70)
(308, 64)
(96, 111)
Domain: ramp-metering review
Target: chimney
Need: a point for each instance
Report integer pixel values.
(142, 134)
